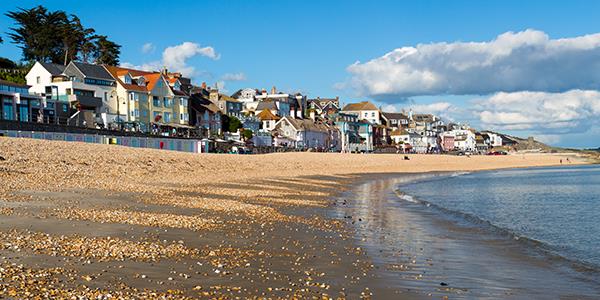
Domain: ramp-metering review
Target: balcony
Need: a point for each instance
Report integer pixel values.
(86, 101)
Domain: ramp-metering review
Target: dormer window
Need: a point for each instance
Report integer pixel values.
(177, 85)
(141, 81)
(127, 79)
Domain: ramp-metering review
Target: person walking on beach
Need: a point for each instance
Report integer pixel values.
(561, 161)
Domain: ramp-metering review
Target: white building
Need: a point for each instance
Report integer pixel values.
(86, 87)
(365, 111)
(464, 139)
(302, 133)
(494, 140)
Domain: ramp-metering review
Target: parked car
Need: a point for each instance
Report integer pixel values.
(497, 153)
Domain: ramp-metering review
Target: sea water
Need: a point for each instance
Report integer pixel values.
(556, 209)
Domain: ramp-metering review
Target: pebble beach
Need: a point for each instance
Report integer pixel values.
(109, 222)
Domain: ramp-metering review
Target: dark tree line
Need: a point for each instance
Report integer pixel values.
(58, 37)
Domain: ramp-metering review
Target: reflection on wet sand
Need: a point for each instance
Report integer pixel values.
(416, 248)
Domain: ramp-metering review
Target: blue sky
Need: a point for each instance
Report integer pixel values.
(307, 46)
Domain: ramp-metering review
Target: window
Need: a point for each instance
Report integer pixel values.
(181, 117)
(155, 101)
(167, 117)
(132, 113)
(373, 115)
(366, 115)
(131, 96)
(166, 102)
(144, 113)
(155, 114)
(7, 110)
(97, 81)
(137, 113)
(38, 80)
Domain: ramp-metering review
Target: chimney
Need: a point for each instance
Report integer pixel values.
(273, 90)
(165, 72)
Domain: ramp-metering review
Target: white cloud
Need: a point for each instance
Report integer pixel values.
(523, 61)
(234, 77)
(175, 58)
(548, 114)
(148, 48)
(389, 108)
(433, 108)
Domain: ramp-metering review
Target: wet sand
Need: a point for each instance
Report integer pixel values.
(423, 250)
(88, 220)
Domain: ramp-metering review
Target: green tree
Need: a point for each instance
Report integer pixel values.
(6, 63)
(33, 33)
(247, 134)
(234, 124)
(89, 48)
(107, 51)
(55, 36)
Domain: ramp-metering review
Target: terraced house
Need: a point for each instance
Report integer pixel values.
(153, 102)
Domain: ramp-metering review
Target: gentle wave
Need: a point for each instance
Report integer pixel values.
(543, 248)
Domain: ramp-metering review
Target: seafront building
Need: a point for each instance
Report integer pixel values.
(151, 101)
(87, 89)
(169, 104)
(17, 104)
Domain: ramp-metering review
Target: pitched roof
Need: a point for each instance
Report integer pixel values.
(267, 115)
(94, 71)
(152, 79)
(423, 117)
(54, 69)
(307, 125)
(262, 105)
(237, 94)
(172, 80)
(227, 98)
(394, 116)
(365, 105)
(118, 71)
(178, 92)
(198, 101)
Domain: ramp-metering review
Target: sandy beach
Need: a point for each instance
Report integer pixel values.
(89, 220)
